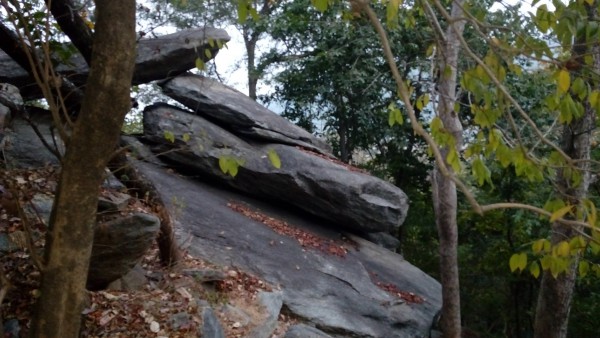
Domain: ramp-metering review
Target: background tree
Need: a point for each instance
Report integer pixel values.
(247, 16)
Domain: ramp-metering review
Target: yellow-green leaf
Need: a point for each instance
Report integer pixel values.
(200, 64)
(538, 245)
(320, 5)
(584, 267)
(242, 7)
(563, 249)
(223, 164)
(208, 53)
(274, 158)
(169, 136)
(430, 50)
(546, 262)
(560, 213)
(564, 81)
(185, 137)
(518, 261)
(534, 268)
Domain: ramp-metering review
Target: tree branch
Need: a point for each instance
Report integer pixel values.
(73, 25)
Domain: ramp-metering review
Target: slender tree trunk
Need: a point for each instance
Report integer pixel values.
(555, 295)
(444, 189)
(94, 137)
(250, 40)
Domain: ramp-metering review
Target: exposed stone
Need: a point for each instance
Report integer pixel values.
(134, 280)
(237, 112)
(113, 201)
(24, 149)
(118, 246)
(271, 303)
(39, 208)
(6, 244)
(206, 275)
(180, 321)
(304, 331)
(384, 239)
(350, 199)
(211, 328)
(158, 58)
(12, 328)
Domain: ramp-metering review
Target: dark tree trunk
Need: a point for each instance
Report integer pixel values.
(94, 138)
(555, 295)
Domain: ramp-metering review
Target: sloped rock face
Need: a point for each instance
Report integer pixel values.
(337, 294)
(349, 199)
(238, 113)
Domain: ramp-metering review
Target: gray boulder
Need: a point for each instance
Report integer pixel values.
(157, 59)
(25, 149)
(118, 246)
(271, 303)
(235, 111)
(322, 187)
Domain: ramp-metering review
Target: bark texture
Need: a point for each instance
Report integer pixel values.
(443, 188)
(554, 298)
(95, 135)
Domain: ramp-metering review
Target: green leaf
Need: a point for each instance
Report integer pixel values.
(595, 247)
(422, 101)
(229, 165)
(223, 164)
(430, 50)
(564, 81)
(518, 261)
(395, 115)
(200, 64)
(546, 262)
(563, 249)
(185, 137)
(392, 13)
(579, 88)
(594, 99)
(242, 9)
(481, 172)
(453, 160)
(208, 53)
(534, 268)
(584, 267)
(274, 158)
(555, 267)
(320, 5)
(169, 136)
(560, 213)
(539, 245)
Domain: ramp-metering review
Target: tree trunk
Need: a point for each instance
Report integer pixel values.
(250, 40)
(443, 188)
(555, 295)
(94, 137)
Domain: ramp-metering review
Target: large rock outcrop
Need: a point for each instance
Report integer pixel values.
(341, 295)
(316, 184)
(157, 58)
